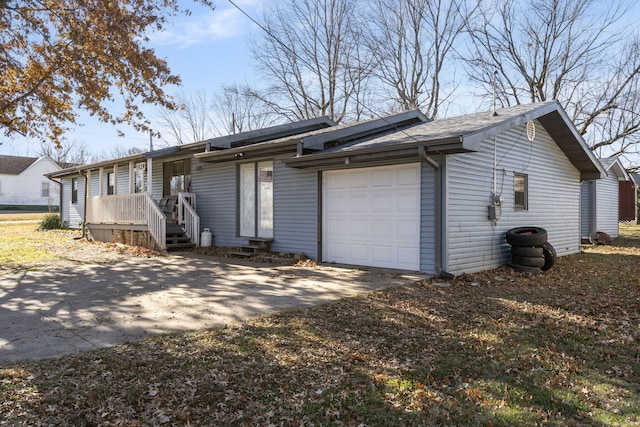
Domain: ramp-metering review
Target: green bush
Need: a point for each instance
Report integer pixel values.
(52, 222)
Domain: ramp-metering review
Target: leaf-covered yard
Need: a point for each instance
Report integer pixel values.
(493, 348)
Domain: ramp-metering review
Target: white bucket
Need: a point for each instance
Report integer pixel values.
(206, 238)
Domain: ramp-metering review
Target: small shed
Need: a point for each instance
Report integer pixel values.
(600, 199)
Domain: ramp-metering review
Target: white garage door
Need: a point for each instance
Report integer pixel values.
(371, 216)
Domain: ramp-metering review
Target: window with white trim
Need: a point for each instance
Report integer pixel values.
(520, 191)
(44, 192)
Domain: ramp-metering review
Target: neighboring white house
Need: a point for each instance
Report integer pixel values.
(24, 186)
(599, 201)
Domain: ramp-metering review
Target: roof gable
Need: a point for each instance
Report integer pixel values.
(15, 165)
(613, 165)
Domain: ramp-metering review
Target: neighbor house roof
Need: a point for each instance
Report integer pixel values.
(15, 165)
(464, 134)
(614, 165)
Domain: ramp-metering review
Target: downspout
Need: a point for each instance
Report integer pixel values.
(439, 210)
(593, 211)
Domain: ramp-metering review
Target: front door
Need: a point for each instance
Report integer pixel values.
(256, 199)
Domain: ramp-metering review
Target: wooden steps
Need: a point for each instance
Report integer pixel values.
(177, 238)
(254, 247)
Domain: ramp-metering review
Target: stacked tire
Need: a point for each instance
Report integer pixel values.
(530, 251)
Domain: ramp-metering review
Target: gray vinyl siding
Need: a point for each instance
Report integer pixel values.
(427, 218)
(585, 208)
(215, 188)
(156, 179)
(474, 242)
(95, 184)
(295, 210)
(607, 193)
(72, 213)
(123, 179)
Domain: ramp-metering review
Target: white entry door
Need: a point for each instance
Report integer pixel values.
(256, 199)
(371, 216)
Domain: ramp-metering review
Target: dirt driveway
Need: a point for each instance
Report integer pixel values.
(66, 310)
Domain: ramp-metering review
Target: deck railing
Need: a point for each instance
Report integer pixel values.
(136, 209)
(188, 217)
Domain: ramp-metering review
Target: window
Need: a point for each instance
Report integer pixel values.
(520, 191)
(110, 183)
(74, 190)
(44, 192)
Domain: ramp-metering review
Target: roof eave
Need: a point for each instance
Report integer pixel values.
(241, 153)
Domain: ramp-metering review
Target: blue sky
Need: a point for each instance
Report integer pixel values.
(207, 49)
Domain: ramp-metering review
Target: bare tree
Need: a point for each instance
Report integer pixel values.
(239, 109)
(411, 42)
(568, 50)
(66, 153)
(311, 54)
(191, 122)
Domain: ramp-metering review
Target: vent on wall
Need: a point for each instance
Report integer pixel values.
(531, 130)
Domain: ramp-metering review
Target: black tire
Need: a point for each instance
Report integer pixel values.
(526, 261)
(527, 236)
(550, 256)
(523, 269)
(526, 251)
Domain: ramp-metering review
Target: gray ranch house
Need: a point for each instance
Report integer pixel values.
(398, 192)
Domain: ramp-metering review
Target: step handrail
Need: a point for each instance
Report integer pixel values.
(187, 216)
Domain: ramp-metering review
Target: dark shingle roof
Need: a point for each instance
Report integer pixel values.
(14, 165)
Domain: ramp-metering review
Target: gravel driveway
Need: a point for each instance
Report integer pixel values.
(61, 311)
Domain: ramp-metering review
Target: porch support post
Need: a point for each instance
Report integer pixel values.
(149, 177)
(132, 177)
(88, 183)
(115, 179)
(101, 183)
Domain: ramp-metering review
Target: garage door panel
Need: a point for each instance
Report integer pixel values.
(359, 252)
(382, 255)
(408, 176)
(357, 180)
(357, 229)
(382, 229)
(407, 230)
(382, 178)
(380, 212)
(382, 202)
(407, 202)
(336, 203)
(337, 250)
(336, 181)
(357, 203)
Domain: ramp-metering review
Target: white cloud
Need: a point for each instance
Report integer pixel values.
(205, 25)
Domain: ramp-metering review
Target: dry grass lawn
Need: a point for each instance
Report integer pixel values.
(495, 348)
